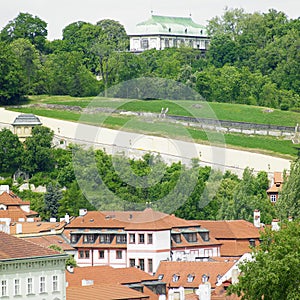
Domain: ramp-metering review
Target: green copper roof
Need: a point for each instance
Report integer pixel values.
(171, 25)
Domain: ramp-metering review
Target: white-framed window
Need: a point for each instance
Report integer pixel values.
(29, 286)
(141, 238)
(131, 238)
(273, 198)
(3, 287)
(150, 238)
(54, 283)
(17, 290)
(42, 284)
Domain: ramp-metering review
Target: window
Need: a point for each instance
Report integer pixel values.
(87, 253)
(204, 236)
(104, 239)
(119, 254)
(81, 254)
(273, 198)
(144, 43)
(141, 238)
(191, 237)
(150, 265)
(17, 287)
(142, 264)
(121, 239)
(101, 254)
(160, 276)
(150, 238)
(3, 288)
(29, 286)
(42, 284)
(131, 238)
(132, 262)
(54, 283)
(175, 277)
(190, 278)
(89, 238)
(74, 238)
(177, 238)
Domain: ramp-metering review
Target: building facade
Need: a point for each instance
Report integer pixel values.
(161, 32)
(137, 238)
(29, 271)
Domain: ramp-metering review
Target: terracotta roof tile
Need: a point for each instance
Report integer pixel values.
(106, 274)
(12, 199)
(12, 248)
(196, 269)
(231, 229)
(49, 240)
(274, 188)
(103, 292)
(37, 227)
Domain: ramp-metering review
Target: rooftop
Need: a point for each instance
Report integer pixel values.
(15, 248)
(171, 26)
(26, 119)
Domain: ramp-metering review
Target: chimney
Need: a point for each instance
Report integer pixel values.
(82, 212)
(19, 228)
(52, 220)
(234, 276)
(256, 218)
(275, 225)
(204, 291)
(4, 188)
(67, 218)
(290, 219)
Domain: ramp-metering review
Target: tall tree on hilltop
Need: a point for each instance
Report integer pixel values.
(52, 198)
(28, 27)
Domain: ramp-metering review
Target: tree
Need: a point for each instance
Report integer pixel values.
(38, 152)
(288, 203)
(51, 198)
(11, 151)
(28, 58)
(274, 271)
(70, 261)
(26, 26)
(11, 79)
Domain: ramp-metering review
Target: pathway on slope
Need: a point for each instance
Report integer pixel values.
(135, 145)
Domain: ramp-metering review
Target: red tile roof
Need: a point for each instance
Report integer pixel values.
(278, 178)
(37, 227)
(196, 269)
(49, 240)
(12, 199)
(13, 248)
(106, 274)
(104, 292)
(231, 229)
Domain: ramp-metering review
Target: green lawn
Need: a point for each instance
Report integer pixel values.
(222, 111)
(270, 145)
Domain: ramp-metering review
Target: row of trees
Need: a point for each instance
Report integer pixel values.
(115, 182)
(252, 59)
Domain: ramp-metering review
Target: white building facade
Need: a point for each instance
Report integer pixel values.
(161, 32)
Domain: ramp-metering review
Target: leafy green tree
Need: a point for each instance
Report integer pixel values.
(289, 198)
(274, 271)
(70, 261)
(28, 58)
(26, 26)
(11, 79)
(11, 151)
(38, 153)
(52, 199)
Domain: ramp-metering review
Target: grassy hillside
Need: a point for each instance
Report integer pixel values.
(223, 111)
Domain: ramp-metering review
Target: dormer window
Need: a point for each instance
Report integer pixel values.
(190, 278)
(175, 277)
(177, 238)
(160, 276)
(204, 236)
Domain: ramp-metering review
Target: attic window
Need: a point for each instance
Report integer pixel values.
(175, 277)
(160, 276)
(190, 278)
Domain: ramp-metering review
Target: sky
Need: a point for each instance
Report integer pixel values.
(60, 13)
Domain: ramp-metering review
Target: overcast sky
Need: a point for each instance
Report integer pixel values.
(60, 13)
